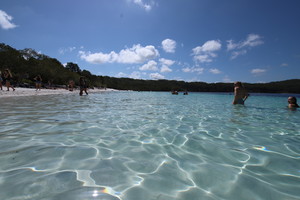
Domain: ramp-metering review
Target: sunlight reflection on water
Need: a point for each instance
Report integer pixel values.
(149, 145)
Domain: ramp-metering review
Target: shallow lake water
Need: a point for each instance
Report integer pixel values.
(148, 146)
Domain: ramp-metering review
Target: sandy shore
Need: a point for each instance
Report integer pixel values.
(33, 92)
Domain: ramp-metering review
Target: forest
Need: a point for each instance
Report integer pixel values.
(26, 64)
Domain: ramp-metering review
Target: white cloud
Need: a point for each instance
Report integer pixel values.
(235, 54)
(198, 70)
(168, 62)
(205, 53)
(136, 54)
(238, 48)
(121, 74)
(215, 71)
(166, 65)
(284, 65)
(258, 71)
(169, 45)
(204, 58)
(156, 76)
(134, 75)
(209, 46)
(252, 40)
(142, 4)
(231, 45)
(65, 50)
(5, 20)
(151, 66)
(165, 69)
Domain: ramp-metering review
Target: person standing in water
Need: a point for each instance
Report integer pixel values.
(240, 93)
(38, 82)
(82, 85)
(292, 102)
(71, 85)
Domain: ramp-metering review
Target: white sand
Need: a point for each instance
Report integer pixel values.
(33, 92)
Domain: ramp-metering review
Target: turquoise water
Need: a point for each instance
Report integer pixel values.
(148, 146)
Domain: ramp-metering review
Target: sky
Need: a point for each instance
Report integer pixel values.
(252, 41)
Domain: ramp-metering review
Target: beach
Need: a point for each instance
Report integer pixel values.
(32, 92)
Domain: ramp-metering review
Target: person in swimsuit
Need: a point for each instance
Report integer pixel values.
(292, 102)
(71, 85)
(38, 82)
(8, 78)
(83, 86)
(240, 93)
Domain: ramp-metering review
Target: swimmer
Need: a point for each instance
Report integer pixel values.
(292, 102)
(240, 93)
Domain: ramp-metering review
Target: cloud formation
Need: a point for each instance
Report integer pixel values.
(239, 48)
(134, 75)
(206, 52)
(166, 65)
(150, 66)
(215, 71)
(142, 4)
(169, 45)
(62, 51)
(5, 21)
(258, 71)
(133, 55)
(156, 76)
(198, 70)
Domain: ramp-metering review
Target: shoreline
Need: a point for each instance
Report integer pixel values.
(32, 92)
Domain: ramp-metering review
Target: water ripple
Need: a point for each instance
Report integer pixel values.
(133, 146)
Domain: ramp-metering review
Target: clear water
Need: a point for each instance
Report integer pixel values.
(147, 146)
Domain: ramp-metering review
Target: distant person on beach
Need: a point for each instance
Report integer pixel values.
(7, 77)
(82, 85)
(1, 79)
(240, 93)
(50, 84)
(71, 85)
(38, 82)
(292, 102)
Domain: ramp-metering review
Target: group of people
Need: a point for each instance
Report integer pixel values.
(241, 94)
(5, 79)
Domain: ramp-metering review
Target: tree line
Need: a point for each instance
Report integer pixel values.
(27, 63)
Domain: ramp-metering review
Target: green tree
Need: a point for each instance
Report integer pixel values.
(73, 67)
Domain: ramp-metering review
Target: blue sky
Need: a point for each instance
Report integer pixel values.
(191, 40)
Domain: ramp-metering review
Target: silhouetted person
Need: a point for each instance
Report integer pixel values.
(82, 85)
